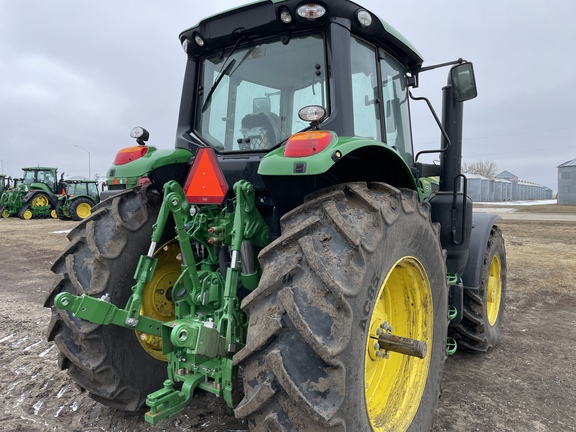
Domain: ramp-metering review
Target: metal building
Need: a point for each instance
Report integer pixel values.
(513, 179)
(567, 183)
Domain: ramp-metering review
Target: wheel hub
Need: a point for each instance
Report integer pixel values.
(494, 294)
(397, 361)
(157, 295)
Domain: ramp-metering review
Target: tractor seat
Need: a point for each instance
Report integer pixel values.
(260, 131)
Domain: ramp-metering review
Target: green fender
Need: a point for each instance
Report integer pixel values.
(40, 187)
(36, 188)
(341, 150)
(130, 172)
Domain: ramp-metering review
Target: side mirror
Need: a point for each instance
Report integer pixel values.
(463, 82)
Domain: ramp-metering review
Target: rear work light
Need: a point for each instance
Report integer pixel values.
(129, 154)
(307, 143)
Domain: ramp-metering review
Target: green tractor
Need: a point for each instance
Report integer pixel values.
(77, 199)
(34, 196)
(11, 197)
(305, 269)
(5, 183)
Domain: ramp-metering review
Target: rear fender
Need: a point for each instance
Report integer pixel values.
(339, 149)
(53, 199)
(345, 159)
(154, 159)
(482, 224)
(40, 187)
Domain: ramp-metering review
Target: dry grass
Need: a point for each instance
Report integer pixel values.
(541, 255)
(541, 208)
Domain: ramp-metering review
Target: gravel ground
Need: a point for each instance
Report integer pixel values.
(527, 383)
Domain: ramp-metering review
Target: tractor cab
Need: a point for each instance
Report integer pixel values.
(308, 95)
(43, 175)
(41, 178)
(88, 188)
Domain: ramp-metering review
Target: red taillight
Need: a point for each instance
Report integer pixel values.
(128, 154)
(143, 180)
(205, 183)
(307, 143)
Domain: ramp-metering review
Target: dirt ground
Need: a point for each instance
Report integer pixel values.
(528, 383)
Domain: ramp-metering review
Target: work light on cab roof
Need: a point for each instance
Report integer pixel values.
(311, 11)
(285, 16)
(364, 18)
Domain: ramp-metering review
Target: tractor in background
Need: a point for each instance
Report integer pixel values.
(5, 183)
(33, 197)
(77, 199)
(292, 255)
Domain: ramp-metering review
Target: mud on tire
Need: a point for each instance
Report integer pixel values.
(304, 362)
(481, 325)
(107, 361)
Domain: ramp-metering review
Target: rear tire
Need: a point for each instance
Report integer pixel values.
(308, 363)
(481, 325)
(106, 360)
(80, 208)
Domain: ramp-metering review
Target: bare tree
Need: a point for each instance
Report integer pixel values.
(484, 168)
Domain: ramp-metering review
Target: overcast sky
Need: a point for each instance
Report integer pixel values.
(85, 72)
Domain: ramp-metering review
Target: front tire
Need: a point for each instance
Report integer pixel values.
(352, 259)
(106, 360)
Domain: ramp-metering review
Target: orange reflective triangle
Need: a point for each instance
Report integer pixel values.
(205, 183)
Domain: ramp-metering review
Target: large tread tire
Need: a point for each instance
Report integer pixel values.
(107, 360)
(303, 364)
(481, 325)
(79, 203)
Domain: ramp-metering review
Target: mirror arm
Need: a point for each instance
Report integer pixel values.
(439, 65)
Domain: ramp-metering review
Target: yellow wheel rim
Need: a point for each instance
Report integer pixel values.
(394, 383)
(27, 215)
(494, 290)
(40, 201)
(157, 295)
(53, 214)
(5, 214)
(83, 210)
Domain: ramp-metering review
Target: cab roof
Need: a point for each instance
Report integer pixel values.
(262, 18)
